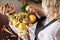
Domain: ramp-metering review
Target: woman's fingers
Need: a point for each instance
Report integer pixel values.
(26, 32)
(30, 9)
(25, 35)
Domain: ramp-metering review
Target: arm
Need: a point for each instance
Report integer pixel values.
(32, 9)
(40, 12)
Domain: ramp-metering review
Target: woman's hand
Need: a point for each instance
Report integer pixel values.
(25, 35)
(30, 9)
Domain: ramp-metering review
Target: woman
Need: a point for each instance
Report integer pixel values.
(52, 11)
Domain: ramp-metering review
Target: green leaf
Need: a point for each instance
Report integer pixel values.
(24, 7)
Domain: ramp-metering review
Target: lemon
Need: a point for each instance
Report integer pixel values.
(19, 34)
(15, 21)
(22, 26)
(32, 18)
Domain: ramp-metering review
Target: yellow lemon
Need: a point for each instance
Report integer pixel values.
(32, 18)
(22, 26)
(19, 34)
(15, 21)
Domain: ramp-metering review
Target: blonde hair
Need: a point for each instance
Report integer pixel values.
(53, 7)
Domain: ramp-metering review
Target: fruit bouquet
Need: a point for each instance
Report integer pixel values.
(22, 20)
(18, 21)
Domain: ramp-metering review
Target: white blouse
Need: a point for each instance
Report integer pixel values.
(49, 33)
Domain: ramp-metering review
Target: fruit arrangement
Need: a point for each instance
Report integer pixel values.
(23, 18)
(19, 20)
